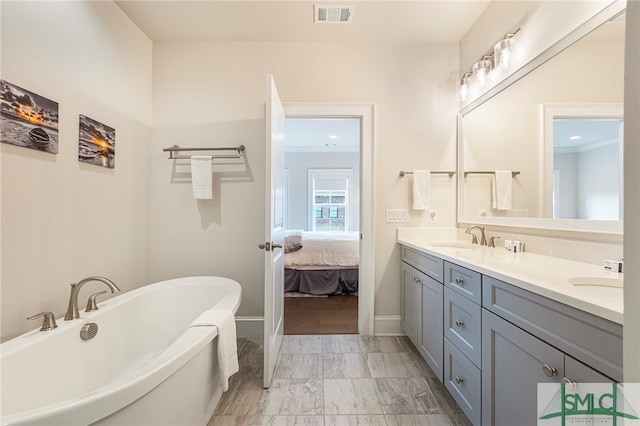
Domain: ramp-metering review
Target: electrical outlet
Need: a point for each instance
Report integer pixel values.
(433, 216)
(397, 215)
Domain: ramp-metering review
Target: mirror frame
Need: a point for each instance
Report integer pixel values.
(614, 227)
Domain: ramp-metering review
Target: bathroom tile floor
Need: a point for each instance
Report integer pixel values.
(337, 380)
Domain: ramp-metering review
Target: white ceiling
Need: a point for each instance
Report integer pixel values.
(322, 135)
(424, 21)
(587, 133)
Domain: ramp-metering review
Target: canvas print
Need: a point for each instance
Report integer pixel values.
(28, 119)
(97, 143)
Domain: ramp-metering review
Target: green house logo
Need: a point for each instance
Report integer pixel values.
(588, 404)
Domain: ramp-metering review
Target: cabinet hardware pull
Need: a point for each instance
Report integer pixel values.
(459, 323)
(549, 371)
(459, 281)
(459, 379)
(569, 384)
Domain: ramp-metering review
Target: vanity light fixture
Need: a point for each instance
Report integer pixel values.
(499, 59)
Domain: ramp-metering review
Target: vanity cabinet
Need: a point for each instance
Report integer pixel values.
(491, 342)
(422, 307)
(529, 339)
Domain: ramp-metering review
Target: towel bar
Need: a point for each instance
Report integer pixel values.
(513, 173)
(402, 173)
(172, 150)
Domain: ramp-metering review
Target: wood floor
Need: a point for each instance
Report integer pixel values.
(321, 315)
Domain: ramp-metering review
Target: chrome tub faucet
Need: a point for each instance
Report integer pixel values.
(483, 237)
(72, 309)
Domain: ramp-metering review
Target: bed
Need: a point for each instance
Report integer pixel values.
(321, 263)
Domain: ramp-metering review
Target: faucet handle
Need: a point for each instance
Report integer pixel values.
(49, 322)
(492, 241)
(91, 303)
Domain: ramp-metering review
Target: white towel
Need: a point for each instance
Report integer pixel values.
(225, 322)
(201, 177)
(501, 189)
(421, 184)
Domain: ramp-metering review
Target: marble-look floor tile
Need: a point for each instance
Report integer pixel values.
(266, 421)
(443, 397)
(301, 344)
(250, 364)
(420, 365)
(392, 365)
(355, 420)
(341, 343)
(294, 397)
(253, 345)
(380, 344)
(418, 420)
(245, 396)
(345, 366)
(458, 420)
(406, 396)
(298, 366)
(406, 344)
(351, 396)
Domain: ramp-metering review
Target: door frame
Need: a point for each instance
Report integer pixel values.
(366, 269)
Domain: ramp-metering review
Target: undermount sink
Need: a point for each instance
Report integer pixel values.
(453, 244)
(596, 281)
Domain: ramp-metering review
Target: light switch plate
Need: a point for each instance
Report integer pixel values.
(397, 215)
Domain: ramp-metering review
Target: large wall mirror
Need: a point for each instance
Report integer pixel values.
(557, 125)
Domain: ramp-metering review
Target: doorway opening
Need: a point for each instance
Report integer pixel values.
(322, 222)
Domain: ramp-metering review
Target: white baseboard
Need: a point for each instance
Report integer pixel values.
(384, 325)
(388, 325)
(249, 326)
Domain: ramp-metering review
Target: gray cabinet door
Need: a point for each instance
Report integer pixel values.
(430, 339)
(576, 372)
(513, 363)
(410, 302)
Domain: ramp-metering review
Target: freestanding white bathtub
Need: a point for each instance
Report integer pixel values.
(145, 366)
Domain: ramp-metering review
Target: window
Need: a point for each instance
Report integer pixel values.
(329, 193)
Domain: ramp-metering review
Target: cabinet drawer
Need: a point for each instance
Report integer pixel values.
(592, 340)
(462, 380)
(463, 280)
(462, 324)
(426, 263)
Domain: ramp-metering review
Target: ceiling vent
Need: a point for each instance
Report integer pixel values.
(332, 14)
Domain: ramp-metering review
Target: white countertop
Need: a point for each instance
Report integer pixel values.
(540, 274)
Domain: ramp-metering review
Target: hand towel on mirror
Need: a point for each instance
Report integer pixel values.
(502, 189)
(201, 179)
(421, 186)
(225, 322)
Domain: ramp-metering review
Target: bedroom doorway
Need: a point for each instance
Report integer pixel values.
(329, 290)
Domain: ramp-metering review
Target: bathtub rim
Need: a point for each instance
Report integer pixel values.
(231, 300)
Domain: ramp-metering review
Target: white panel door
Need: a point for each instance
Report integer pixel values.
(274, 234)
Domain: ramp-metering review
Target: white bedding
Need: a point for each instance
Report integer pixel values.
(325, 250)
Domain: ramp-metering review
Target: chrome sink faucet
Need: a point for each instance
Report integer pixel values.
(483, 237)
(72, 309)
